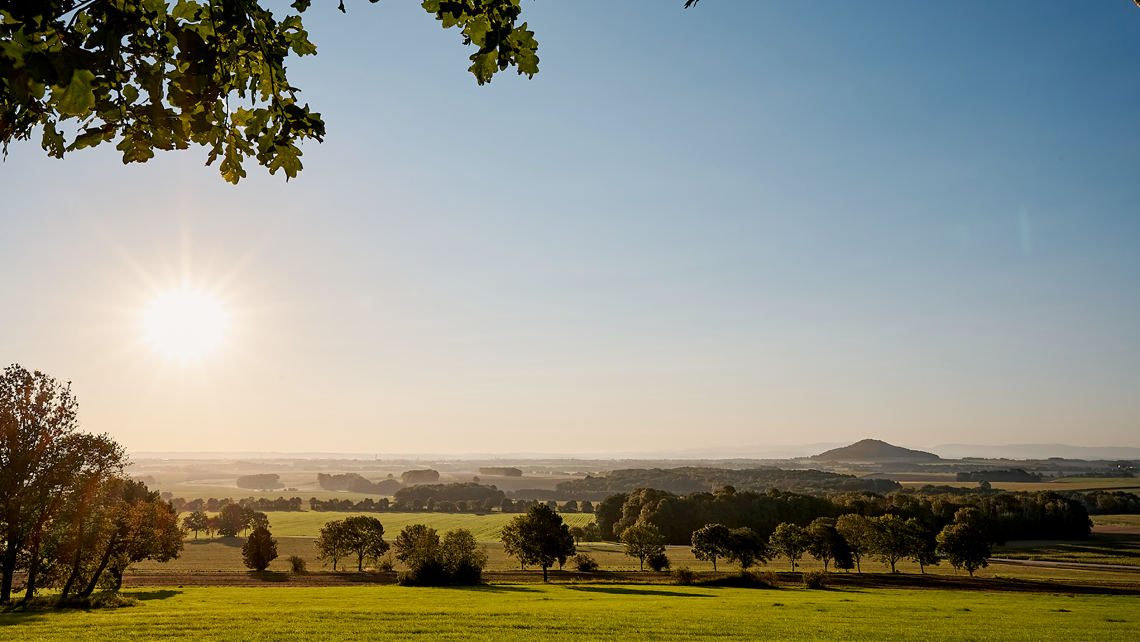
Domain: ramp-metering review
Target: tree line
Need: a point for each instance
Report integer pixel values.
(212, 505)
(1000, 515)
(506, 505)
(71, 518)
(692, 479)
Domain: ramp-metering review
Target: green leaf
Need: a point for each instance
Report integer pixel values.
(53, 142)
(77, 97)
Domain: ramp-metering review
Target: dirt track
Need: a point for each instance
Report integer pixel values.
(838, 580)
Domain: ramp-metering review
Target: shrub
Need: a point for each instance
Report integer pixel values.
(259, 550)
(815, 579)
(386, 563)
(766, 577)
(683, 576)
(584, 563)
(659, 562)
(297, 563)
(113, 601)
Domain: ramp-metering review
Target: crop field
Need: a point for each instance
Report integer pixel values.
(1117, 521)
(584, 612)
(1100, 548)
(1064, 484)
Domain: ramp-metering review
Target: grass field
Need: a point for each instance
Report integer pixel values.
(584, 612)
(485, 528)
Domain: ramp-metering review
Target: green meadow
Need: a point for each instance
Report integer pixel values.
(583, 612)
(485, 528)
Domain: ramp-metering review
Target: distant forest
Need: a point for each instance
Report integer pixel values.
(694, 480)
(353, 482)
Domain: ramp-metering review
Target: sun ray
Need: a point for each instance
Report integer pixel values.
(185, 323)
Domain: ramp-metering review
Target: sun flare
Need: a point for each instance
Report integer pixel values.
(185, 323)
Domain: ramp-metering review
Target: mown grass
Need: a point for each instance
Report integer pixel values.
(584, 612)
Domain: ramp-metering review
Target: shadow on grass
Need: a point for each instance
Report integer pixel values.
(628, 590)
(492, 588)
(144, 596)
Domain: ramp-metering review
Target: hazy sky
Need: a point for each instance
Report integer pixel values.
(747, 223)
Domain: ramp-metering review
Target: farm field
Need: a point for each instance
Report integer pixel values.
(1066, 483)
(1100, 548)
(485, 528)
(584, 612)
(1116, 523)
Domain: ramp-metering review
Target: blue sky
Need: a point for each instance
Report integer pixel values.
(745, 223)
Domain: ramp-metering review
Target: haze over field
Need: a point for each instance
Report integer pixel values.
(745, 229)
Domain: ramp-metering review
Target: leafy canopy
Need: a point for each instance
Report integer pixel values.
(153, 74)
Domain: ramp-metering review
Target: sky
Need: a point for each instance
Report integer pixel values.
(751, 222)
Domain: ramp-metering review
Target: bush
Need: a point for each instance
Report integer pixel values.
(766, 577)
(659, 562)
(113, 601)
(431, 573)
(815, 579)
(584, 563)
(386, 563)
(297, 563)
(684, 577)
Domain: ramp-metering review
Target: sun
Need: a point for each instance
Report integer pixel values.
(185, 323)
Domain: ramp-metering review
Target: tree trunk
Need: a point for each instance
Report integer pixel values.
(9, 568)
(102, 565)
(544, 567)
(714, 563)
(33, 569)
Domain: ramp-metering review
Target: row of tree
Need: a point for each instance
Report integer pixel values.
(69, 516)
(1000, 516)
(212, 505)
(232, 520)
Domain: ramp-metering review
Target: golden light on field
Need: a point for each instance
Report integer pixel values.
(185, 323)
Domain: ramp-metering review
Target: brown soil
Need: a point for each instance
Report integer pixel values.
(837, 580)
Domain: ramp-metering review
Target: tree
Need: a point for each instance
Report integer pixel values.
(153, 76)
(44, 462)
(711, 542)
(538, 536)
(921, 545)
(365, 538)
(264, 481)
(333, 543)
(855, 529)
(746, 547)
(791, 541)
(964, 547)
(463, 558)
(593, 533)
(231, 519)
(586, 507)
(195, 521)
(643, 541)
(577, 532)
(417, 545)
(259, 550)
(890, 539)
(827, 544)
(127, 524)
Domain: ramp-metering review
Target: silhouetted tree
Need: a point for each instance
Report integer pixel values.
(790, 541)
(365, 538)
(538, 537)
(746, 547)
(711, 542)
(259, 550)
(964, 546)
(643, 541)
